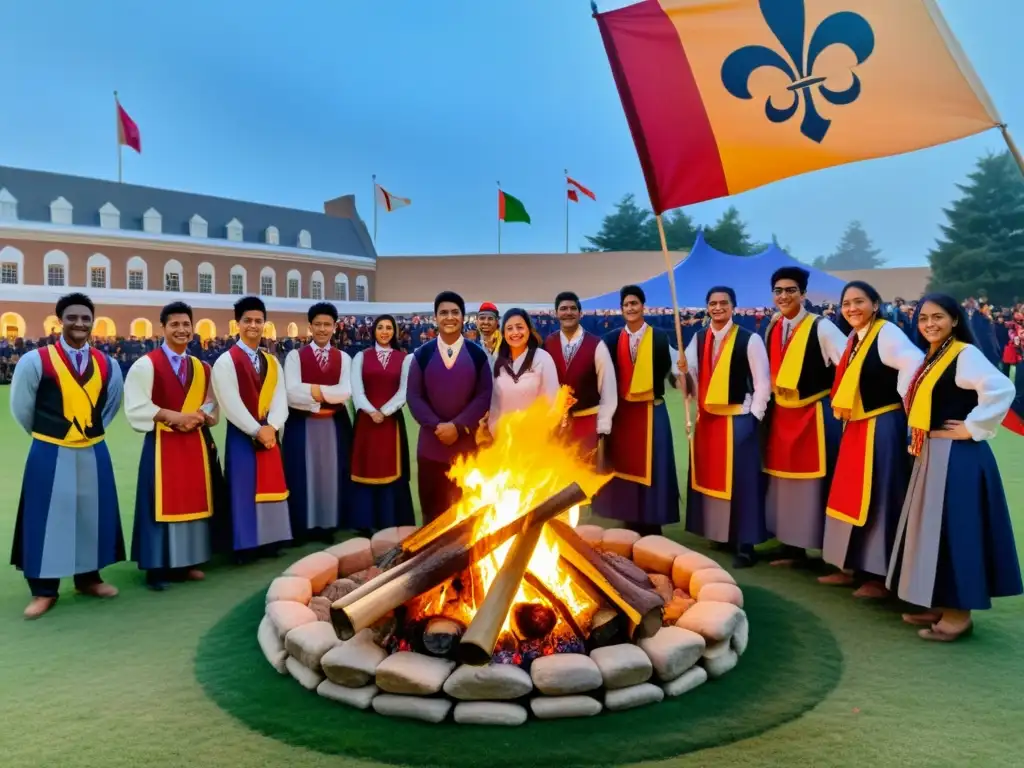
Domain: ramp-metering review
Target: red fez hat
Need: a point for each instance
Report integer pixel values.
(488, 307)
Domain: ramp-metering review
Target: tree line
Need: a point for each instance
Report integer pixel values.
(981, 250)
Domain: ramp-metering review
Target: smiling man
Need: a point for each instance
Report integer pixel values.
(168, 397)
(449, 393)
(803, 434)
(65, 395)
(645, 490)
(250, 390)
(725, 493)
(487, 324)
(318, 440)
(585, 366)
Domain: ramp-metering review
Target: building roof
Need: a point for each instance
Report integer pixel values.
(909, 283)
(36, 190)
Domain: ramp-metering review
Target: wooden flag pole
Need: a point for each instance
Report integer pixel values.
(1012, 146)
(565, 191)
(679, 322)
(117, 134)
(374, 198)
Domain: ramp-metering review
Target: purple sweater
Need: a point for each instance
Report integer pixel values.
(441, 395)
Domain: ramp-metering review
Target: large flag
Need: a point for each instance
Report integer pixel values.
(127, 131)
(511, 209)
(390, 202)
(722, 96)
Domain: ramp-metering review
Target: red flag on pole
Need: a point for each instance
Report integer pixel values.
(583, 190)
(573, 196)
(127, 131)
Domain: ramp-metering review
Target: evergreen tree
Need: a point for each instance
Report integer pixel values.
(855, 251)
(680, 231)
(628, 228)
(982, 248)
(729, 235)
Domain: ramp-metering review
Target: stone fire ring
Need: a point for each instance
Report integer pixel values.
(704, 642)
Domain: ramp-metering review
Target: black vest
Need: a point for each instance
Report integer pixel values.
(49, 419)
(662, 357)
(878, 381)
(815, 376)
(950, 402)
(741, 382)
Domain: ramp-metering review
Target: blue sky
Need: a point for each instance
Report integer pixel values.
(296, 103)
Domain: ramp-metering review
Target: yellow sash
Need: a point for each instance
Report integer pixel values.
(269, 385)
(920, 416)
(717, 399)
(847, 403)
(785, 384)
(79, 402)
(641, 386)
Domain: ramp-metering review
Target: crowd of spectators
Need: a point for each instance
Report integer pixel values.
(999, 331)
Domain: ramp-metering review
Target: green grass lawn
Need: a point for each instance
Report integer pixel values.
(114, 683)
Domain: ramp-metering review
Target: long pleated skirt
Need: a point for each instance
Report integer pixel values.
(316, 453)
(377, 506)
(954, 543)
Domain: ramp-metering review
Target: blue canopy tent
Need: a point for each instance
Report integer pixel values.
(749, 276)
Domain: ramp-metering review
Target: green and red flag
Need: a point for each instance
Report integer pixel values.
(511, 209)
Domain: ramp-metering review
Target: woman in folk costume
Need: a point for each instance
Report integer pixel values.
(872, 471)
(381, 497)
(954, 548)
(168, 397)
(65, 395)
(250, 390)
(318, 440)
(523, 371)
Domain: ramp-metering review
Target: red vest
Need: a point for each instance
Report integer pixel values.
(249, 381)
(581, 374)
(312, 373)
(168, 393)
(379, 383)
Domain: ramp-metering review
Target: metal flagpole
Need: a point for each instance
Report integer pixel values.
(374, 198)
(565, 191)
(117, 121)
(499, 217)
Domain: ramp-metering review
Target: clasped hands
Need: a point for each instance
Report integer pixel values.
(187, 422)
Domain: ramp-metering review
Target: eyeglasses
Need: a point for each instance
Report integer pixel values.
(789, 290)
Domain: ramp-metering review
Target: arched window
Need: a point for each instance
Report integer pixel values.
(141, 328)
(206, 329)
(173, 276)
(232, 327)
(55, 269)
(206, 281)
(12, 326)
(52, 326)
(293, 330)
(237, 287)
(305, 239)
(268, 283)
(362, 288)
(316, 286)
(12, 266)
(269, 330)
(104, 328)
(294, 284)
(138, 274)
(341, 287)
(98, 272)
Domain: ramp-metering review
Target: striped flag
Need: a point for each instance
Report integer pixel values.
(574, 187)
(390, 202)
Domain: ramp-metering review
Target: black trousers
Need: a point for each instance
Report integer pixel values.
(163, 575)
(51, 587)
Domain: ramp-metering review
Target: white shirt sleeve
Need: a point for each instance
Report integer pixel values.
(139, 407)
(28, 372)
(300, 396)
(995, 392)
(358, 392)
(897, 351)
(397, 401)
(760, 371)
(831, 340)
(278, 414)
(225, 386)
(339, 393)
(607, 386)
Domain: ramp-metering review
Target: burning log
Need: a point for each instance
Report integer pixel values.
(533, 621)
(478, 643)
(608, 627)
(643, 607)
(441, 561)
(441, 635)
(560, 607)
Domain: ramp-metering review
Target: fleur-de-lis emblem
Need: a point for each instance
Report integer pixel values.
(787, 21)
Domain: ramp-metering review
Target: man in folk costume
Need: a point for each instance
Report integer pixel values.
(318, 441)
(725, 495)
(487, 324)
(250, 390)
(585, 366)
(65, 395)
(803, 434)
(168, 397)
(644, 492)
(449, 393)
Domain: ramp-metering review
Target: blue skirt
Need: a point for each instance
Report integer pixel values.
(954, 545)
(741, 520)
(868, 548)
(656, 504)
(68, 518)
(375, 507)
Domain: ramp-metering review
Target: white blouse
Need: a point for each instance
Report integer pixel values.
(995, 392)
(508, 396)
(359, 399)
